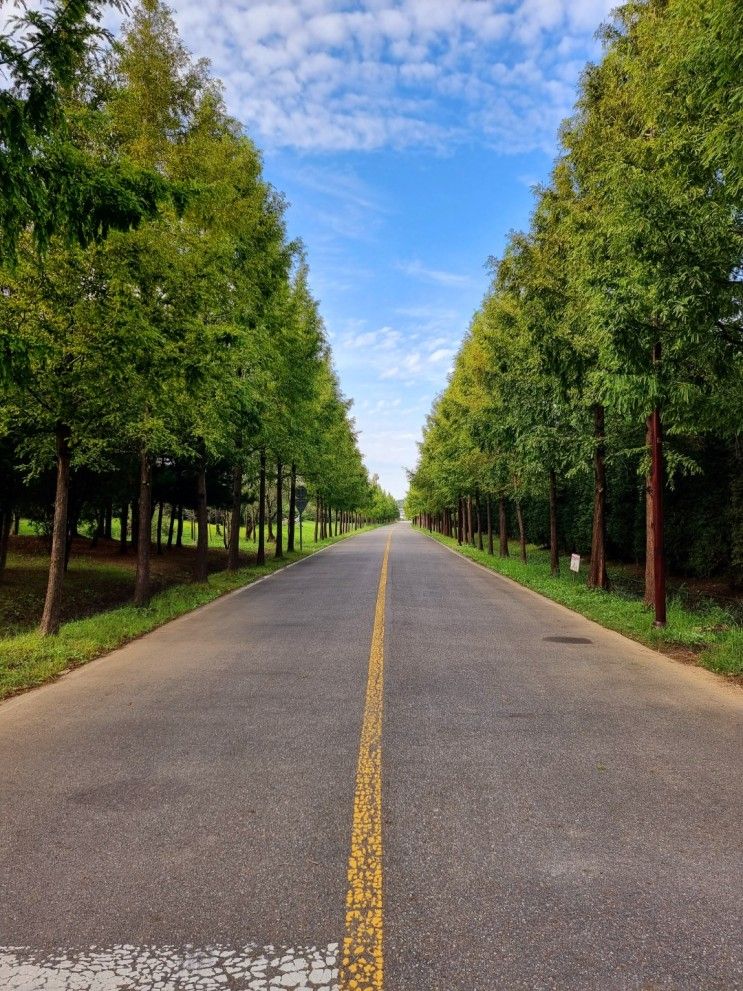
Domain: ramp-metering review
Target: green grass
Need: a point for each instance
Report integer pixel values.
(711, 635)
(29, 659)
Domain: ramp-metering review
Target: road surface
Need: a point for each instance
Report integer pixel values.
(383, 765)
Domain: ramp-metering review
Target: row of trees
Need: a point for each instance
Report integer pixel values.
(160, 344)
(611, 338)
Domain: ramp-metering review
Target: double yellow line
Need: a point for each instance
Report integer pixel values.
(362, 963)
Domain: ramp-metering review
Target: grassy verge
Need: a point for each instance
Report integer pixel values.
(28, 659)
(709, 635)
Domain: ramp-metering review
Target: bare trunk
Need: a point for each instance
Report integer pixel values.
(202, 519)
(317, 515)
(292, 508)
(598, 577)
(649, 529)
(261, 553)
(160, 510)
(460, 522)
(142, 583)
(554, 550)
(6, 525)
(123, 523)
(659, 564)
(171, 526)
(522, 530)
(470, 530)
(502, 528)
(179, 532)
(279, 510)
(51, 616)
(489, 509)
(478, 508)
(233, 552)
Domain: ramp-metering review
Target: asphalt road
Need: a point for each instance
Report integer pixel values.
(565, 815)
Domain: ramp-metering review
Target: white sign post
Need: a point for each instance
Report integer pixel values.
(575, 563)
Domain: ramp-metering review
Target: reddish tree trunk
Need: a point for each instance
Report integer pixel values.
(522, 531)
(51, 616)
(261, 553)
(123, 524)
(202, 520)
(6, 525)
(598, 577)
(142, 583)
(292, 508)
(554, 550)
(659, 563)
(502, 528)
(279, 510)
(160, 511)
(233, 552)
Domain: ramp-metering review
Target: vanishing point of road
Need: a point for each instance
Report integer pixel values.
(382, 768)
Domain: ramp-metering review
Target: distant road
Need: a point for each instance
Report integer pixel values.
(560, 808)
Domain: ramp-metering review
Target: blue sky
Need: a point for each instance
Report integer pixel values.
(406, 135)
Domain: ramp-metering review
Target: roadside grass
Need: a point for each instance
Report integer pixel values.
(28, 659)
(98, 576)
(709, 635)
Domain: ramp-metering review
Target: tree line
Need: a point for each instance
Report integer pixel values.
(599, 387)
(160, 346)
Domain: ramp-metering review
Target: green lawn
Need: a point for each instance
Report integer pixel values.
(27, 659)
(710, 634)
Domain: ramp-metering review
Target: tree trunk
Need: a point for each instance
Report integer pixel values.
(53, 603)
(317, 516)
(142, 583)
(135, 524)
(123, 523)
(502, 528)
(233, 553)
(598, 577)
(470, 529)
(292, 508)
(279, 510)
(554, 550)
(649, 530)
(736, 506)
(659, 563)
(489, 510)
(108, 520)
(460, 522)
(522, 530)
(261, 554)
(202, 519)
(160, 510)
(6, 525)
(478, 508)
(179, 531)
(171, 526)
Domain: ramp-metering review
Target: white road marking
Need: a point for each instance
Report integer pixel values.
(169, 968)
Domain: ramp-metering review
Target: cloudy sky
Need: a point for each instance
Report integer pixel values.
(406, 135)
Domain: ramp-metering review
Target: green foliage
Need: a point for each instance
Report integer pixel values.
(635, 246)
(157, 344)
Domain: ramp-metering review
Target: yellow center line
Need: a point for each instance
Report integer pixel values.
(361, 966)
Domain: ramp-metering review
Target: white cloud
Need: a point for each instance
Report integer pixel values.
(417, 270)
(333, 75)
